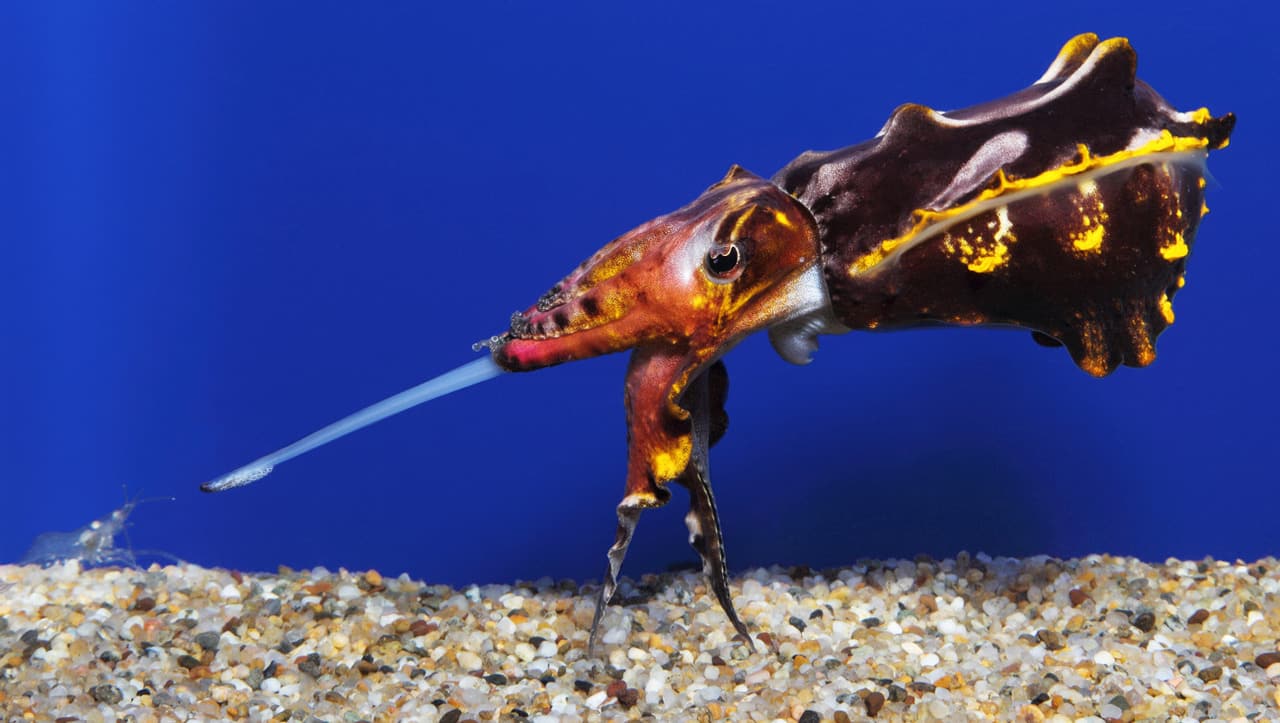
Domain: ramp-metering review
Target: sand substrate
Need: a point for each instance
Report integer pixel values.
(965, 639)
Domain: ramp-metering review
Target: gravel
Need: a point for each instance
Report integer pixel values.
(974, 638)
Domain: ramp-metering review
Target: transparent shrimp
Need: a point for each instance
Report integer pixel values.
(93, 544)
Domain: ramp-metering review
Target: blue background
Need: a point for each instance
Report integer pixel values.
(227, 224)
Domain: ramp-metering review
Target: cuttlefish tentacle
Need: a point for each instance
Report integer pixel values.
(628, 515)
(705, 398)
(660, 441)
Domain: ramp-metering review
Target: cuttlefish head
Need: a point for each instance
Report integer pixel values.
(679, 290)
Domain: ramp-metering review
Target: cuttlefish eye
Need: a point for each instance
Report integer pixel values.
(725, 263)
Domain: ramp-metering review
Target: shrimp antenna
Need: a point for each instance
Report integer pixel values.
(461, 377)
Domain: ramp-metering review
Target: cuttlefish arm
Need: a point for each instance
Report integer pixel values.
(705, 402)
(679, 291)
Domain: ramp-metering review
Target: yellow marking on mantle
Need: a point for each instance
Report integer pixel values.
(989, 262)
(1175, 250)
(1006, 191)
(1089, 239)
(1166, 307)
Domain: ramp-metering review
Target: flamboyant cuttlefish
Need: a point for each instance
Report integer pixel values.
(1067, 208)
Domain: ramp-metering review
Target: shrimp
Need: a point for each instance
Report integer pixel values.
(92, 544)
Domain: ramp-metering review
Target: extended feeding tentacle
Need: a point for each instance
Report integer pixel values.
(467, 375)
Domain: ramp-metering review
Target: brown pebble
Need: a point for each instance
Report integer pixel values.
(1198, 617)
(767, 639)
(334, 696)
(842, 717)
(144, 603)
(231, 625)
(237, 576)
(615, 688)
(201, 671)
(452, 716)
(366, 667)
(628, 697)
(874, 701)
(1146, 622)
(1266, 660)
(1077, 597)
(422, 627)
(1210, 674)
(1050, 639)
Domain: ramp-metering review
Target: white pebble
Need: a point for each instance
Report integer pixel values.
(526, 652)
(929, 660)
(1104, 658)
(505, 627)
(653, 688)
(469, 661)
(596, 700)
